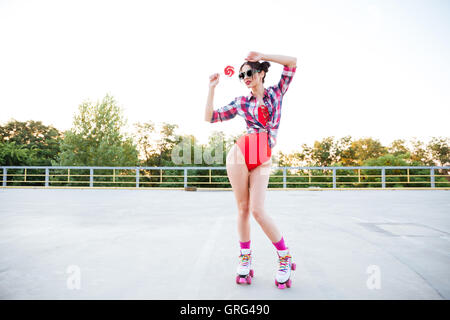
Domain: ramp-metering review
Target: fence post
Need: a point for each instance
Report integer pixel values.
(46, 177)
(185, 178)
(432, 177)
(284, 178)
(137, 178)
(5, 174)
(334, 178)
(91, 177)
(383, 178)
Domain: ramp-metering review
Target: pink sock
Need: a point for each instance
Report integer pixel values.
(245, 245)
(280, 244)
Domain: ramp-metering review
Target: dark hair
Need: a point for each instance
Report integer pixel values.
(260, 66)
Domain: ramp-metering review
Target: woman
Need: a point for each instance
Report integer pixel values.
(249, 161)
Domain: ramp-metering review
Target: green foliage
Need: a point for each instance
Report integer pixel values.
(41, 141)
(154, 147)
(388, 160)
(366, 152)
(440, 150)
(12, 154)
(145, 140)
(360, 150)
(397, 147)
(96, 139)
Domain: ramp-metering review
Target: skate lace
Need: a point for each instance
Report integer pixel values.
(245, 259)
(284, 263)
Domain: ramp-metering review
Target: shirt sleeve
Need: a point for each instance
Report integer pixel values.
(286, 78)
(227, 112)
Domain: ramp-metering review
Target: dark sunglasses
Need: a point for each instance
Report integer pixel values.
(249, 73)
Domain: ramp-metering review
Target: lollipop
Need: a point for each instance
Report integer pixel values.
(229, 71)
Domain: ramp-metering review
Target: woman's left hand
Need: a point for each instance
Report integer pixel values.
(254, 56)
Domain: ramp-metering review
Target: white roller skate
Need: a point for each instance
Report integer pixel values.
(282, 278)
(244, 271)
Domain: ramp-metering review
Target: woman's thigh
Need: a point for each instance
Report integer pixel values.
(259, 181)
(238, 175)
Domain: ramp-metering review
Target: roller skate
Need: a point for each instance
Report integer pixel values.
(244, 271)
(282, 278)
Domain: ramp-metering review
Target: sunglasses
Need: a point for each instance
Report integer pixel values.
(249, 73)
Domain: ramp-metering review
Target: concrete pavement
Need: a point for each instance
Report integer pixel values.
(172, 244)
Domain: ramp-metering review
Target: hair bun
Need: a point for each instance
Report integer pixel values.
(264, 66)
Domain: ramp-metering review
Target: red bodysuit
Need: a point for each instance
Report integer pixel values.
(255, 146)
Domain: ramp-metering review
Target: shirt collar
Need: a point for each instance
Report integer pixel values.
(266, 93)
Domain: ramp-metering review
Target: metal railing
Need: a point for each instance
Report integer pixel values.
(388, 177)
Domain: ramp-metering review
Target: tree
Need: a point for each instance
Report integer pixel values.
(217, 143)
(166, 142)
(345, 155)
(440, 150)
(387, 160)
(328, 152)
(323, 153)
(12, 154)
(398, 147)
(361, 150)
(96, 139)
(33, 135)
(440, 153)
(419, 153)
(145, 139)
(294, 159)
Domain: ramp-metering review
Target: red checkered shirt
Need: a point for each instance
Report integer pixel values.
(247, 107)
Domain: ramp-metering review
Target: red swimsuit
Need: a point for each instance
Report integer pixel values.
(255, 146)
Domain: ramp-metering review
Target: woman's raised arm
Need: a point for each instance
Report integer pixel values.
(291, 62)
(213, 81)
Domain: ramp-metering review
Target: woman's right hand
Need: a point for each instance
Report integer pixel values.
(213, 80)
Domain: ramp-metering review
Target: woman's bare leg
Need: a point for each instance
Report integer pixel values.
(259, 180)
(238, 175)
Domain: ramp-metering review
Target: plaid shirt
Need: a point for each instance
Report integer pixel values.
(247, 107)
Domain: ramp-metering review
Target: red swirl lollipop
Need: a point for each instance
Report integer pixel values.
(229, 71)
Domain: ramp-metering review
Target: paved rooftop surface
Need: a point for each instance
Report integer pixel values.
(172, 244)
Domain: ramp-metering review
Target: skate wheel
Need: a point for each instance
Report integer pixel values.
(281, 286)
(238, 279)
(249, 280)
(289, 283)
(252, 273)
(293, 266)
(242, 280)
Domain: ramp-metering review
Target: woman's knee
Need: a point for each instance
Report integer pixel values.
(243, 209)
(258, 212)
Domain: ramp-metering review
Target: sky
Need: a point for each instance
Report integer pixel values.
(377, 69)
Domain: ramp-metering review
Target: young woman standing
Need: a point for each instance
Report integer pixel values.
(249, 161)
